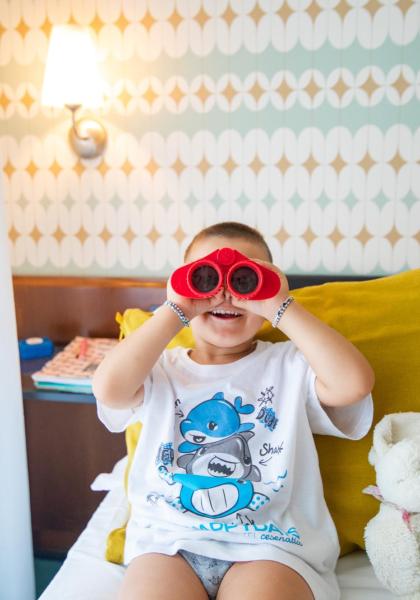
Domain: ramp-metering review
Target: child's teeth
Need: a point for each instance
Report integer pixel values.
(220, 311)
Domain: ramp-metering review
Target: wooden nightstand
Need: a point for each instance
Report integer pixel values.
(67, 447)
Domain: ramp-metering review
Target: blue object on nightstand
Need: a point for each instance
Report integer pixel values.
(35, 347)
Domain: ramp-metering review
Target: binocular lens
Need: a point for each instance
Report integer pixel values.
(205, 278)
(244, 280)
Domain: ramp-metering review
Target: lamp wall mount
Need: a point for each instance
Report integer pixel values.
(87, 136)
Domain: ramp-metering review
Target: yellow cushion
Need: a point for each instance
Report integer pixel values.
(382, 318)
(114, 551)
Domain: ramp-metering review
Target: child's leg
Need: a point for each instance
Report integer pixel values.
(263, 579)
(159, 577)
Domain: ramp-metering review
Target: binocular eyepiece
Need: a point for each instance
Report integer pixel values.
(243, 277)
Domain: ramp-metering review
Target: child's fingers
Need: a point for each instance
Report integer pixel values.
(211, 302)
(239, 302)
(269, 265)
(217, 298)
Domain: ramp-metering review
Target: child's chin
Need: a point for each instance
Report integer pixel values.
(223, 338)
(222, 327)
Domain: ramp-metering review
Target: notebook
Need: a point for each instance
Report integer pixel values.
(72, 368)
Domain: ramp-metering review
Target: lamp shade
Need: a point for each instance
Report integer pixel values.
(71, 73)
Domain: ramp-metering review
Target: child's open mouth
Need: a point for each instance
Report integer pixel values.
(221, 313)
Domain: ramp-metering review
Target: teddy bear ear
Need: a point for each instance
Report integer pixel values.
(382, 439)
(372, 457)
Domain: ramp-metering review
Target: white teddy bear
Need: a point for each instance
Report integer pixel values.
(392, 537)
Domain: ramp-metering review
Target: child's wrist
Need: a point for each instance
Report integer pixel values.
(270, 306)
(178, 311)
(277, 315)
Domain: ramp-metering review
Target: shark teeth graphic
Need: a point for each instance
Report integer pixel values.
(215, 501)
(219, 467)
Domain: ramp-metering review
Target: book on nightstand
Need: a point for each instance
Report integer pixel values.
(71, 369)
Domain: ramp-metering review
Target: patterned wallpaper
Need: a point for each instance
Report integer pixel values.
(298, 117)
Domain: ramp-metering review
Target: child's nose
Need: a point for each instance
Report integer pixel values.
(227, 294)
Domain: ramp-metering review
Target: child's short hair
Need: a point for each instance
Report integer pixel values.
(231, 229)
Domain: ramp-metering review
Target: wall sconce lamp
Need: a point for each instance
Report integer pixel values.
(72, 80)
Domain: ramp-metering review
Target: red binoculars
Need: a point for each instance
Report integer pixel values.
(243, 277)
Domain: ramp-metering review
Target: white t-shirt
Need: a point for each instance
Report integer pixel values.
(226, 464)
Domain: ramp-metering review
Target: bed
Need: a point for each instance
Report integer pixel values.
(386, 331)
(85, 575)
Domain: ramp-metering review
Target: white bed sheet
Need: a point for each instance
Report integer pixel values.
(86, 575)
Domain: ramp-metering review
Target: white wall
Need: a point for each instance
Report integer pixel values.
(16, 558)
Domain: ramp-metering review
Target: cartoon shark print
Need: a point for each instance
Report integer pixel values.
(218, 478)
(230, 457)
(213, 420)
(216, 457)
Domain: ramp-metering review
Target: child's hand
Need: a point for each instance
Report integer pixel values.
(265, 308)
(192, 307)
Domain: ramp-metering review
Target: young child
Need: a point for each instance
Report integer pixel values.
(225, 490)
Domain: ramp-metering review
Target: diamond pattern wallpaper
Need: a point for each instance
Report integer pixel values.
(298, 117)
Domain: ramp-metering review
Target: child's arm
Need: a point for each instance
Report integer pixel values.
(118, 381)
(343, 375)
